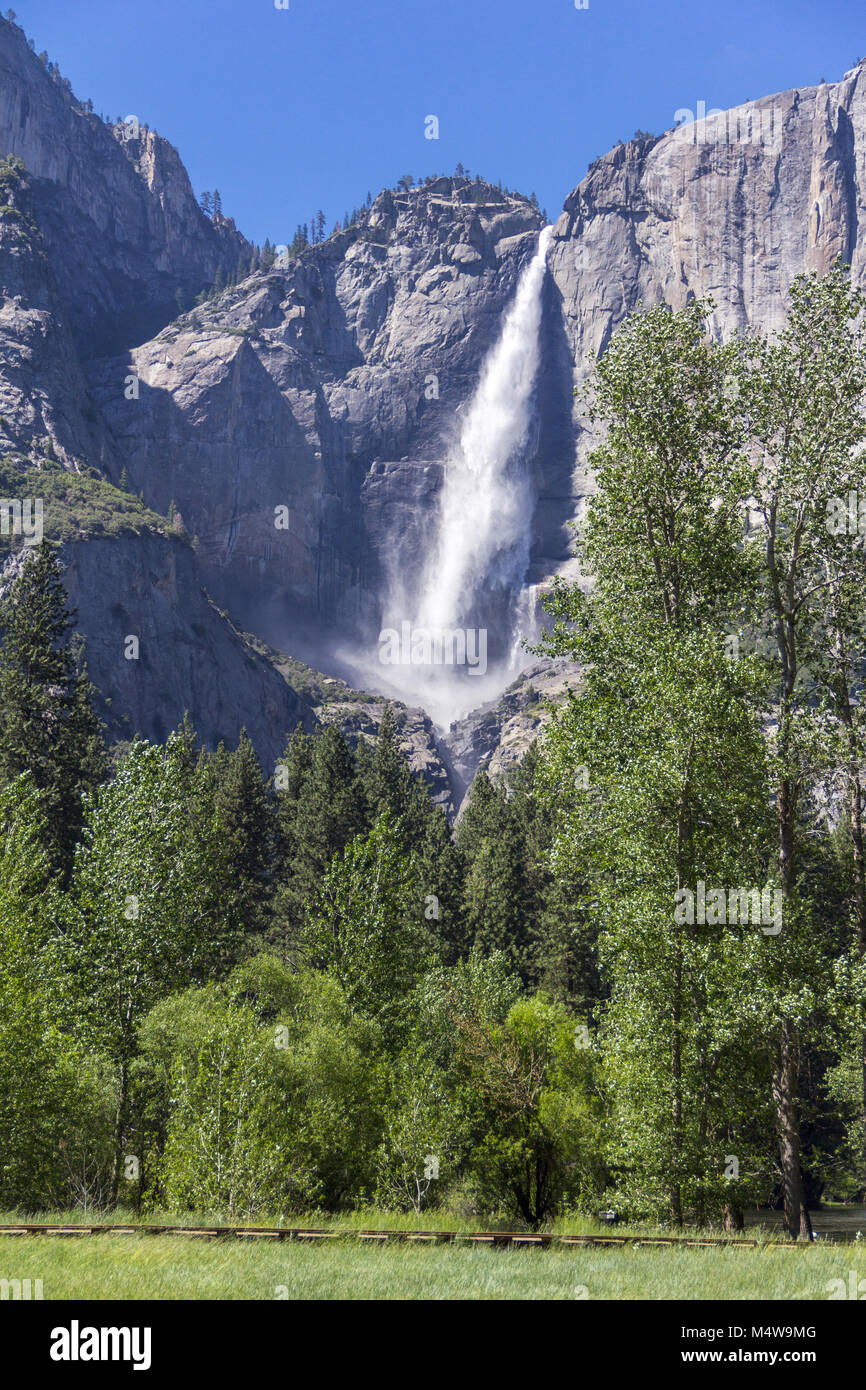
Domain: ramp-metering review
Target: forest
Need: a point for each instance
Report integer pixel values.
(631, 975)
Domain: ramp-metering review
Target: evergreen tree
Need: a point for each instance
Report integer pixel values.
(324, 809)
(563, 944)
(389, 785)
(366, 927)
(497, 896)
(440, 869)
(245, 826)
(47, 724)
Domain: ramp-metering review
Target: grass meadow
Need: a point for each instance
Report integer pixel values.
(146, 1266)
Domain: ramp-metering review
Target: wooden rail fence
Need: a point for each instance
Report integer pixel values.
(493, 1239)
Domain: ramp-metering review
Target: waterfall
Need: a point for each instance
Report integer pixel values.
(485, 510)
(472, 578)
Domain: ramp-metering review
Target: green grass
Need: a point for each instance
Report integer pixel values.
(444, 1218)
(178, 1267)
(166, 1267)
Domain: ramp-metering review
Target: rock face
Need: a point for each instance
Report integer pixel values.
(121, 225)
(297, 424)
(96, 238)
(497, 735)
(189, 657)
(733, 205)
(299, 421)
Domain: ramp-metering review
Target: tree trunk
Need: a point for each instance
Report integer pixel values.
(733, 1217)
(796, 1216)
(856, 810)
(786, 1074)
(676, 1195)
(683, 860)
(841, 691)
(118, 1133)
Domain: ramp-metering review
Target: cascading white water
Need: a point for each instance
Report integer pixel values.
(474, 572)
(485, 510)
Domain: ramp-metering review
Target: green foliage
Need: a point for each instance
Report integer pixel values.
(76, 505)
(271, 1091)
(47, 724)
(519, 1015)
(367, 928)
(497, 891)
(537, 1143)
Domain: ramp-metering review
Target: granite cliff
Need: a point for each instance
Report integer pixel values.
(287, 436)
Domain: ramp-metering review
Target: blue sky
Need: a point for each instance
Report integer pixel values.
(286, 111)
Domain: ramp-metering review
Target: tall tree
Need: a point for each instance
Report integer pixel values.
(804, 392)
(366, 925)
(47, 724)
(497, 892)
(323, 807)
(142, 916)
(244, 816)
(657, 762)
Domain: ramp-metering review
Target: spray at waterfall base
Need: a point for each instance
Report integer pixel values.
(444, 658)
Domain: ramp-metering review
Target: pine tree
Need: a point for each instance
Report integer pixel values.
(562, 944)
(389, 785)
(246, 832)
(323, 808)
(364, 927)
(497, 895)
(440, 869)
(47, 723)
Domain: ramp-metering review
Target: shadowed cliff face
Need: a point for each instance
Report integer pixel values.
(300, 423)
(96, 237)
